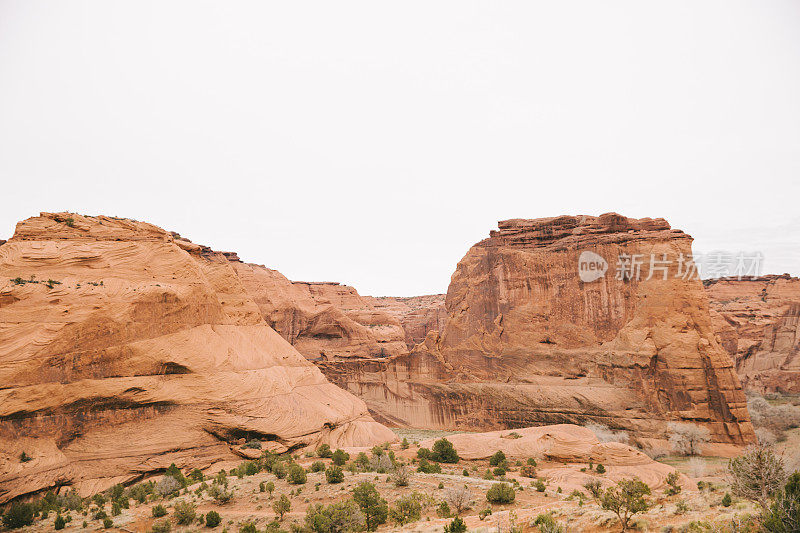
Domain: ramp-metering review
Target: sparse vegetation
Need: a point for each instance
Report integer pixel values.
(687, 439)
(756, 475)
(374, 507)
(184, 512)
(281, 506)
(406, 509)
(158, 511)
(456, 526)
(458, 498)
(626, 499)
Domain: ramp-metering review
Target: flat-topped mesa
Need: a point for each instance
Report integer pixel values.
(758, 323)
(125, 348)
(527, 341)
(575, 230)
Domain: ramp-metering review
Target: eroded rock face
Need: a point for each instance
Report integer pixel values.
(323, 320)
(124, 348)
(419, 315)
(526, 342)
(758, 323)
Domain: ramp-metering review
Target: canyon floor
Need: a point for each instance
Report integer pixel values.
(692, 509)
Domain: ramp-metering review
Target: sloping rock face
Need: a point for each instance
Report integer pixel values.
(419, 315)
(526, 342)
(323, 321)
(124, 348)
(758, 323)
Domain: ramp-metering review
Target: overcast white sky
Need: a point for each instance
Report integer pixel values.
(373, 142)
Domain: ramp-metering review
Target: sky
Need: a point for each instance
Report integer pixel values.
(372, 143)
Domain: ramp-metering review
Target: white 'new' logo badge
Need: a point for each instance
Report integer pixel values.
(591, 267)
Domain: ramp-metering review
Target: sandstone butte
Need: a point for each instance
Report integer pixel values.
(526, 342)
(124, 348)
(758, 321)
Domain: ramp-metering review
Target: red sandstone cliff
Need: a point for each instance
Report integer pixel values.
(758, 323)
(124, 348)
(419, 315)
(527, 342)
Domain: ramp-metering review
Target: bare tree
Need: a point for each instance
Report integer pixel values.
(687, 439)
(400, 476)
(458, 498)
(757, 474)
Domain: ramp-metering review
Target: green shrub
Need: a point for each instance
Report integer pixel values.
(338, 517)
(220, 495)
(324, 451)
(540, 487)
(501, 493)
(340, 457)
(318, 466)
(279, 469)
(161, 526)
(499, 471)
(296, 474)
(600, 469)
(159, 511)
(334, 474)
(281, 506)
(673, 480)
(406, 509)
(783, 515)
(59, 523)
(374, 507)
(465, 473)
(404, 444)
(531, 461)
(456, 526)
(444, 452)
(425, 453)
(528, 471)
(213, 519)
(429, 468)
(248, 527)
(497, 459)
(727, 500)
(107, 523)
(626, 499)
(185, 512)
(443, 511)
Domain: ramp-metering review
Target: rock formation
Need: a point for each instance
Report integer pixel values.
(124, 348)
(419, 315)
(527, 342)
(323, 321)
(758, 323)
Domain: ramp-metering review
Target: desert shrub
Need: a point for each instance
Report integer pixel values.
(340, 457)
(116, 509)
(281, 506)
(318, 466)
(374, 507)
(213, 519)
(59, 523)
(594, 487)
(221, 478)
(196, 476)
(158, 511)
(400, 476)
(175, 472)
(458, 498)
(778, 418)
(456, 526)
(324, 451)
(254, 444)
(167, 485)
(497, 459)
(673, 480)
(161, 526)
(726, 500)
(528, 471)
(444, 452)
(443, 511)
(404, 444)
(600, 469)
(539, 485)
(380, 463)
(531, 461)
(604, 434)
(766, 437)
(756, 475)
(687, 439)
(220, 494)
(335, 518)
(696, 466)
(269, 486)
(184, 512)
(501, 493)
(248, 527)
(279, 469)
(784, 514)
(425, 453)
(626, 499)
(406, 509)
(334, 474)
(107, 523)
(483, 513)
(681, 507)
(24, 457)
(547, 524)
(362, 460)
(428, 468)
(499, 471)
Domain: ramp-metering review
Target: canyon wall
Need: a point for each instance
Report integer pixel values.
(758, 322)
(418, 315)
(526, 342)
(124, 348)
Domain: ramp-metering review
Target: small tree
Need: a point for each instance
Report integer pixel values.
(458, 498)
(756, 475)
(497, 459)
(594, 486)
(406, 509)
(324, 451)
(444, 452)
(456, 526)
(269, 486)
(185, 512)
(340, 457)
(673, 480)
(334, 474)
(213, 519)
(784, 515)
(626, 499)
(686, 439)
(296, 474)
(374, 507)
(281, 506)
(501, 493)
